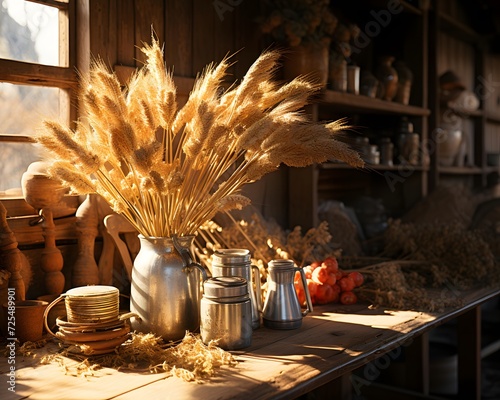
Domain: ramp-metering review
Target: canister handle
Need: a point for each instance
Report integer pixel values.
(306, 291)
(203, 271)
(258, 294)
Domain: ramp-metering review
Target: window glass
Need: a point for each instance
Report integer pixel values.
(29, 32)
(15, 160)
(35, 34)
(22, 108)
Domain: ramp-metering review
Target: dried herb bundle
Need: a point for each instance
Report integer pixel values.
(168, 170)
(426, 267)
(463, 256)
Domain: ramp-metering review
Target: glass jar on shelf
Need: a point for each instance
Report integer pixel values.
(408, 143)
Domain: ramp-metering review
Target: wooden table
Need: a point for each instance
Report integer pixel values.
(320, 356)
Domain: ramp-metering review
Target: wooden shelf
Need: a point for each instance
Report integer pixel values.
(492, 117)
(458, 29)
(407, 6)
(491, 168)
(379, 167)
(475, 113)
(460, 170)
(369, 105)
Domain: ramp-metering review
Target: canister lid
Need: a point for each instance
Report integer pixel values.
(225, 286)
(281, 264)
(231, 256)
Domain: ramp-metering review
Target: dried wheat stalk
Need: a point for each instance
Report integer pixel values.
(168, 170)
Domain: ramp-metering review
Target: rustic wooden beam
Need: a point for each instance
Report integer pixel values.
(37, 74)
(60, 4)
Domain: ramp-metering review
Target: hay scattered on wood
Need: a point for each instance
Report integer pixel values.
(190, 359)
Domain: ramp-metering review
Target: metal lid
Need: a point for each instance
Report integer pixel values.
(231, 256)
(281, 264)
(225, 286)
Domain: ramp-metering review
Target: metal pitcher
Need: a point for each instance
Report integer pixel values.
(166, 287)
(282, 308)
(236, 262)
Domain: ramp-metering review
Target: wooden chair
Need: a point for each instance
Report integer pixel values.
(116, 225)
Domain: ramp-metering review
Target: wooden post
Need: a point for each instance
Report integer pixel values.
(85, 270)
(10, 256)
(469, 354)
(51, 260)
(44, 193)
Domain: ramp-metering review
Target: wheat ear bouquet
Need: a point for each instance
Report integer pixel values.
(167, 169)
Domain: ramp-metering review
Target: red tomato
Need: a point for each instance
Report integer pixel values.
(320, 274)
(308, 271)
(339, 275)
(348, 298)
(301, 295)
(357, 277)
(313, 287)
(336, 288)
(324, 294)
(335, 296)
(331, 263)
(332, 279)
(346, 284)
(315, 264)
(297, 278)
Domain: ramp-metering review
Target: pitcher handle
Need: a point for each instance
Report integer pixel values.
(186, 258)
(306, 291)
(183, 251)
(258, 294)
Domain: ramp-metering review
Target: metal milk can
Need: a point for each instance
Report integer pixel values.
(236, 262)
(282, 308)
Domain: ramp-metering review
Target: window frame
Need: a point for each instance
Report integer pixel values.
(63, 77)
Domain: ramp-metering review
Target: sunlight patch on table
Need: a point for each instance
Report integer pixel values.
(388, 320)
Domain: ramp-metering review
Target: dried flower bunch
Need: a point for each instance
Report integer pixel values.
(168, 170)
(295, 22)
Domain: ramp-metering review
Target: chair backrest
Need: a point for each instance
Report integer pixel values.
(115, 225)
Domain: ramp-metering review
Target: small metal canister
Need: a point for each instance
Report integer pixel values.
(226, 313)
(237, 262)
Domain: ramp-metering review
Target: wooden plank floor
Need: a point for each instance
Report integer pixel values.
(332, 341)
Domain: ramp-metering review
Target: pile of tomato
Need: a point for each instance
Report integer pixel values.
(327, 283)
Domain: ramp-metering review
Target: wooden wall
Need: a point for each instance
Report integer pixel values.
(195, 33)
